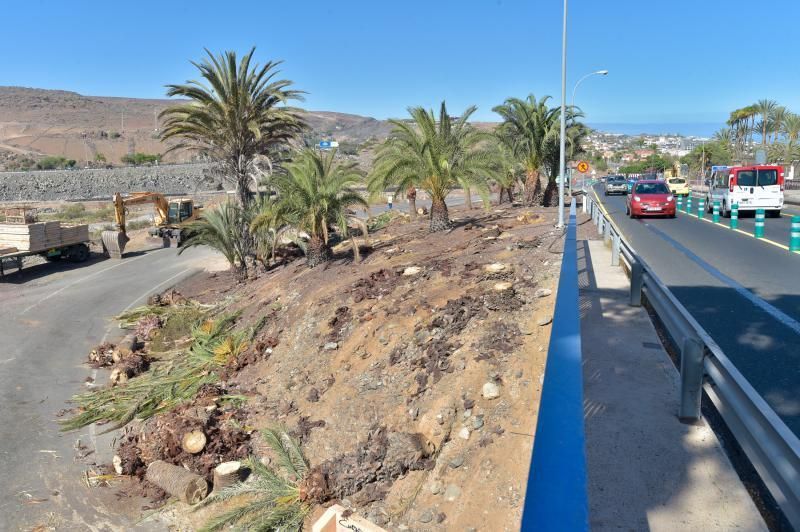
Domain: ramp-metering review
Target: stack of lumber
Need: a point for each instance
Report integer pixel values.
(41, 236)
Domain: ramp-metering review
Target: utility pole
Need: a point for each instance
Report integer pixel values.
(562, 156)
(155, 120)
(122, 122)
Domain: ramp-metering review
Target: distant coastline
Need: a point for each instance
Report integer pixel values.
(687, 129)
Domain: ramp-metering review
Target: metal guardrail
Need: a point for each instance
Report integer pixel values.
(773, 449)
(556, 498)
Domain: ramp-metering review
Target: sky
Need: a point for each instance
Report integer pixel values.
(669, 62)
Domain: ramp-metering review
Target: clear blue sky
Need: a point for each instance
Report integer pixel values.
(672, 61)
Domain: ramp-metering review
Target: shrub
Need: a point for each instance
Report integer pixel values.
(137, 158)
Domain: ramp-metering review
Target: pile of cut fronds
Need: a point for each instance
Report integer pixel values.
(169, 382)
(268, 500)
(130, 318)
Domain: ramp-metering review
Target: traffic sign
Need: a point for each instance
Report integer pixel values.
(583, 167)
(328, 144)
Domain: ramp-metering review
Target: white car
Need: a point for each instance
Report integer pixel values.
(749, 187)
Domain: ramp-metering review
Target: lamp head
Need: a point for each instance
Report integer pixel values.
(602, 72)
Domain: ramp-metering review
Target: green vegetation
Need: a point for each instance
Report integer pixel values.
(436, 156)
(115, 135)
(55, 163)
(652, 164)
(238, 113)
(219, 228)
(99, 157)
(315, 193)
(531, 130)
(78, 213)
(168, 383)
(137, 159)
(776, 127)
(272, 499)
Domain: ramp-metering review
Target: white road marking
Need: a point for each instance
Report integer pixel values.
(70, 285)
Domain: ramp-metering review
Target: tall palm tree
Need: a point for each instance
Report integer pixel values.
(776, 122)
(765, 108)
(791, 129)
(724, 136)
(531, 130)
(317, 192)
(237, 111)
(436, 156)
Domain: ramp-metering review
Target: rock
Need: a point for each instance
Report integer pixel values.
(542, 292)
(502, 286)
(331, 346)
(383, 340)
(457, 462)
(413, 413)
(467, 414)
(490, 391)
(545, 320)
(504, 235)
(463, 433)
(477, 423)
(452, 493)
(518, 373)
(436, 487)
(495, 267)
(412, 270)
(426, 516)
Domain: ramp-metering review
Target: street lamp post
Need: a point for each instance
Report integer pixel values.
(561, 162)
(572, 107)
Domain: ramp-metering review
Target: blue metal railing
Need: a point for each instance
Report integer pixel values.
(556, 498)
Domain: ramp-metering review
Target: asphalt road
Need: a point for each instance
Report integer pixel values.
(744, 292)
(50, 317)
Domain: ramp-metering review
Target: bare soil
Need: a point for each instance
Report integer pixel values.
(378, 369)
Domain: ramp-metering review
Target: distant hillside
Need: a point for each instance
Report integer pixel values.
(37, 122)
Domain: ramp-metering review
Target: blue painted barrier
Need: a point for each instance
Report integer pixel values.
(556, 499)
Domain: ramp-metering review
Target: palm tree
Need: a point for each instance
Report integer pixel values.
(317, 192)
(219, 228)
(776, 122)
(237, 112)
(724, 136)
(765, 108)
(436, 156)
(791, 129)
(530, 129)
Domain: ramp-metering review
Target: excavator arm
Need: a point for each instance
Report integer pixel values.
(114, 241)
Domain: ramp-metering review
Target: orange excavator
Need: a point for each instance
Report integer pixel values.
(171, 217)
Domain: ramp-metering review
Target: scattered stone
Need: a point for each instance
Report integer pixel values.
(383, 340)
(490, 391)
(503, 285)
(412, 270)
(542, 292)
(463, 433)
(452, 493)
(495, 267)
(477, 423)
(331, 346)
(436, 487)
(440, 517)
(426, 517)
(545, 320)
(457, 462)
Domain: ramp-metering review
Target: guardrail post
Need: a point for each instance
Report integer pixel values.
(600, 222)
(794, 238)
(637, 280)
(679, 201)
(701, 208)
(689, 205)
(691, 379)
(758, 231)
(735, 216)
(583, 203)
(607, 232)
(716, 211)
(616, 241)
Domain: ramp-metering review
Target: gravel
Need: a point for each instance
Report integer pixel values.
(85, 184)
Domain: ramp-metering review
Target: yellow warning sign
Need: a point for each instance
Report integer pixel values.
(583, 167)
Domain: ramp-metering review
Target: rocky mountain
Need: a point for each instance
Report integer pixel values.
(38, 122)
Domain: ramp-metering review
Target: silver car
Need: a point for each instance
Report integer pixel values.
(616, 184)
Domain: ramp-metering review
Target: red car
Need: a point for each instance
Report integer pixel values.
(650, 198)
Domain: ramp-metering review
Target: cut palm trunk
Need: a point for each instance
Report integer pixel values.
(533, 189)
(227, 474)
(468, 198)
(177, 481)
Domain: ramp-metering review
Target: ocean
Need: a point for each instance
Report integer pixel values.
(687, 129)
